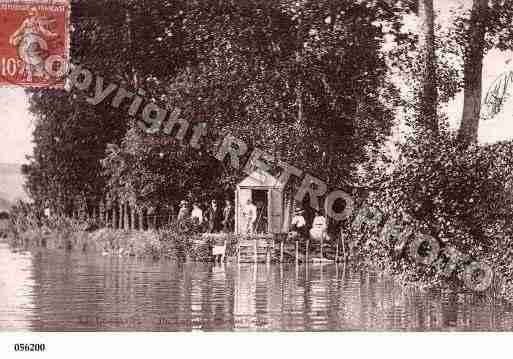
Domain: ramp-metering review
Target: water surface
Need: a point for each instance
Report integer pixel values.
(54, 291)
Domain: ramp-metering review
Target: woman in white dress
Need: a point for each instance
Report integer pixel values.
(197, 213)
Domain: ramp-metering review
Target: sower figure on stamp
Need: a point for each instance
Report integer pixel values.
(29, 38)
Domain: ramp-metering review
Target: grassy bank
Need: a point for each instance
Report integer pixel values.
(162, 244)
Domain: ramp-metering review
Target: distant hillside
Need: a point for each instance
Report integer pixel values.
(4, 204)
(11, 184)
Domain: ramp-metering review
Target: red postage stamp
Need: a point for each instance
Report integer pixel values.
(34, 42)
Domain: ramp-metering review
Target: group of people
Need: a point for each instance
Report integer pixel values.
(216, 218)
(299, 228)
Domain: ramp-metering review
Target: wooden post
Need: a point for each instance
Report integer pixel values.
(342, 237)
(281, 251)
(297, 252)
(307, 250)
(336, 253)
(256, 250)
(322, 240)
(238, 250)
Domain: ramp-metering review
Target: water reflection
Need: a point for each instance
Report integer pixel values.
(16, 289)
(56, 291)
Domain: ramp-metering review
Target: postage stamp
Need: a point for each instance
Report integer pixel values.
(34, 42)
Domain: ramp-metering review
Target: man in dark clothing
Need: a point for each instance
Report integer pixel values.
(228, 217)
(215, 217)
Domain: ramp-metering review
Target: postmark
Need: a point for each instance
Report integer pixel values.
(34, 42)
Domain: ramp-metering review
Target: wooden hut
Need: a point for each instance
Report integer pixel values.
(269, 195)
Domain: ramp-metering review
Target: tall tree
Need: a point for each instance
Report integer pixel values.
(428, 97)
(303, 80)
(473, 72)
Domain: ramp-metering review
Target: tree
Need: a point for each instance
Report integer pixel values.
(302, 80)
(428, 79)
(473, 72)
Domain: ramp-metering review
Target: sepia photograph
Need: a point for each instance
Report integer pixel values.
(254, 166)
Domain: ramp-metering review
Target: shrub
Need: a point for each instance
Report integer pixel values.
(460, 196)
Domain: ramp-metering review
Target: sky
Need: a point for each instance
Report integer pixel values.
(17, 122)
(16, 125)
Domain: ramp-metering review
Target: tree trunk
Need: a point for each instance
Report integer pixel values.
(120, 215)
(141, 219)
(473, 73)
(428, 96)
(155, 218)
(114, 216)
(132, 218)
(126, 219)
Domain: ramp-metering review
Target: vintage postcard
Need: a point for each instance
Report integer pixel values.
(34, 42)
(254, 166)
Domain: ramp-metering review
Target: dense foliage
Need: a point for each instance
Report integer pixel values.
(305, 81)
(460, 196)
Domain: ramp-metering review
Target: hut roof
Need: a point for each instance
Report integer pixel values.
(260, 179)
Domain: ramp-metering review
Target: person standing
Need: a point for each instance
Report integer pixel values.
(228, 217)
(298, 223)
(215, 217)
(183, 213)
(250, 214)
(319, 229)
(197, 213)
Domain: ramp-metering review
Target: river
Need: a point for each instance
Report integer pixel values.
(55, 291)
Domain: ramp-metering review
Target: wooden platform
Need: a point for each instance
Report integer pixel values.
(253, 250)
(269, 248)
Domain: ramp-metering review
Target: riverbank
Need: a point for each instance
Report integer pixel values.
(151, 244)
(4, 228)
(167, 244)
